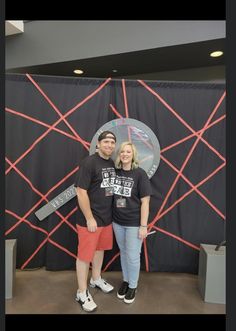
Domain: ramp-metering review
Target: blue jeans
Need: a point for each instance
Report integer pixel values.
(130, 249)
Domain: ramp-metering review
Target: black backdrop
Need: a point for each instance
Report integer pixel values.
(44, 151)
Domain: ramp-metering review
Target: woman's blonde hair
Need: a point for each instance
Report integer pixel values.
(134, 164)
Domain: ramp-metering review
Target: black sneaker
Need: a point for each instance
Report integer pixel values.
(123, 290)
(130, 295)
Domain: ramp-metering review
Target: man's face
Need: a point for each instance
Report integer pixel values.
(107, 146)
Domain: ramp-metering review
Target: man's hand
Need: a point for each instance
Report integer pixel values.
(91, 225)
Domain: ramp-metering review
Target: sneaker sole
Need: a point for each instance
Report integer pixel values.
(129, 301)
(87, 310)
(120, 296)
(93, 286)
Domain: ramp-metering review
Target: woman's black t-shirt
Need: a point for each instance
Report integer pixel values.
(131, 185)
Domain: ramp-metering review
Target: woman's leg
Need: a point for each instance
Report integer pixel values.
(120, 234)
(133, 249)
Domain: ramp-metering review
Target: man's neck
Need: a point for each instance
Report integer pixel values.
(103, 156)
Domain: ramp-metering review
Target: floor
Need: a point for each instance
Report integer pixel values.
(53, 292)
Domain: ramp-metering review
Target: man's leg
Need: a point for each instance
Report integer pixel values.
(85, 254)
(104, 243)
(82, 269)
(97, 264)
(97, 280)
(83, 296)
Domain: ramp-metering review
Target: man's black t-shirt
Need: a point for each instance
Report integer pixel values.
(97, 176)
(131, 185)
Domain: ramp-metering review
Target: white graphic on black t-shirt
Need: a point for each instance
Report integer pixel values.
(108, 177)
(123, 186)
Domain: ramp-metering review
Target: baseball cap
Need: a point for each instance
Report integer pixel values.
(106, 134)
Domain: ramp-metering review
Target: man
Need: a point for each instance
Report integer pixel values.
(95, 193)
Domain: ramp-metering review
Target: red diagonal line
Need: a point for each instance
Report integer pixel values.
(43, 124)
(63, 221)
(27, 180)
(47, 239)
(193, 135)
(125, 98)
(180, 118)
(188, 157)
(57, 122)
(57, 110)
(145, 254)
(194, 187)
(158, 217)
(55, 244)
(177, 238)
(186, 138)
(32, 146)
(44, 231)
(39, 247)
(110, 262)
(115, 111)
(68, 223)
(90, 95)
(26, 221)
(170, 235)
(39, 202)
(62, 248)
(39, 193)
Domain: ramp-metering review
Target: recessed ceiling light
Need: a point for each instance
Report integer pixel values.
(78, 71)
(114, 70)
(216, 54)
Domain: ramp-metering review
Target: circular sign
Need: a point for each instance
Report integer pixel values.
(127, 129)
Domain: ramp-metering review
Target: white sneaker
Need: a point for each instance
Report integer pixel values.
(102, 284)
(86, 301)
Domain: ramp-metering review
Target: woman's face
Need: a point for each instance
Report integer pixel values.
(126, 155)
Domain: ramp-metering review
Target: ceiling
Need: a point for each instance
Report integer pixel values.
(170, 58)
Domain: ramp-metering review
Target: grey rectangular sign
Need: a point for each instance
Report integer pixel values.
(56, 203)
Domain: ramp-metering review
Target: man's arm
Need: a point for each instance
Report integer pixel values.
(84, 204)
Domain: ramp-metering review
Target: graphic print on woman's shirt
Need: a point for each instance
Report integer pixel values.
(129, 188)
(123, 186)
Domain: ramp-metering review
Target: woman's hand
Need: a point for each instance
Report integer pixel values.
(142, 232)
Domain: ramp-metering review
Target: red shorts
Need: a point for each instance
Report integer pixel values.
(89, 242)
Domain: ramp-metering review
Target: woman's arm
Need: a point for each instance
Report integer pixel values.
(144, 217)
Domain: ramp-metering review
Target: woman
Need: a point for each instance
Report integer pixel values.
(132, 192)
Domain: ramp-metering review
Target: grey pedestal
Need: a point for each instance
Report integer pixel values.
(211, 273)
(10, 260)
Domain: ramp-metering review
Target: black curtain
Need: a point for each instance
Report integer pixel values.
(44, 150)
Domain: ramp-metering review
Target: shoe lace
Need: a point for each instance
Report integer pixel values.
(88, 296)
(104, 281)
